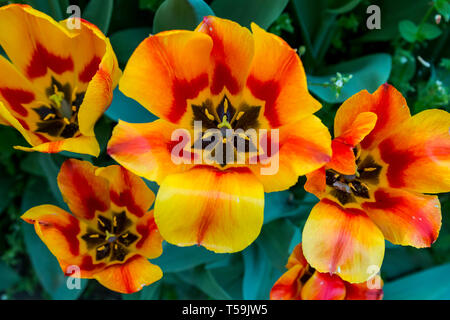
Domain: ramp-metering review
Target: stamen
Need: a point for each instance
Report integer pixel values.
(66, 121)
(365, 186)
(209, 115)
(224, 123)
(225, 104)
(49, 116)
(352, 186)
(94, 235)
(369, 169)
(101, 222)
(101, 248)
(224, 140)
(74, 94)
(115, 221)
(240, 114)
(74, 108)
(124, 236)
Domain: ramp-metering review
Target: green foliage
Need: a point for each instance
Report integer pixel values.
(99, 13)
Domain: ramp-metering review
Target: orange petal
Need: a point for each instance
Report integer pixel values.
(323, 286)
(297, 258)
(231, 55)
(387, 103)
(220, 210)
(60, 232)
(146, 149)
(304, 146)
(343, 241)
(288, 285)
(316, 182)
(278, 79)
(129, 277)
(81, 144)
(418, 153)
(168, 70)
(150, 242)
(127, 190)
(343, 160)
(406, 218)
(372, 290)
(85, 193)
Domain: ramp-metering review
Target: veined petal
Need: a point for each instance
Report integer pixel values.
(343, 241)
(231, 55)
(59, 231)
(277, 78)
(370, 290)
(220, 210)
(304, 146)
(288, 285)
(316, 182)
(387, 103)
(146, 149)
(405, 218)
(297, 258)
(129, 277)
(323, 286)
(343, 160)
(418, 153)
(168, 70)
(85, 193)
(127, 190)
(150, 243)
(81, 144)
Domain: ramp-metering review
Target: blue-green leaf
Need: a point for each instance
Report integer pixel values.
(99, 13)
(368, 72)
(180, 14)
(431, 284)
(54, 8)
(127, 109)
(8, 277)
(282, 205)
(126, 41)
(261, 12)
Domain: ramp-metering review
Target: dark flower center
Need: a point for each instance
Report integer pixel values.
(347, 188)
(59, 117)
(112, 237)
(231, 123)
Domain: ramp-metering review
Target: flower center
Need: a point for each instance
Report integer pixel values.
(348, 188)
(112, 238)
(232, 123)
(59, 116)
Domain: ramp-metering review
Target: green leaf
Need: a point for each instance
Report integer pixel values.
(408, 30)
(443, 7)
(176, 259)
(431, 284)
(403, 70)
(54, 8)
(342, 6)
(6, 182)
(127, 109)
(8, 277)
(261, 12)
(275, 239)
(180, 14)
(99, 13)
(282, 204)
(204, 281)
(368, 72)
(126, 41)
(429, 31)
(259, 276)
(44, 263)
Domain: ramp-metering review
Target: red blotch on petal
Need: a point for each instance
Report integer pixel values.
(267, 91)
(222, 78)
(126, 198)
(89, 70)
(69, 231)
(145, 230)
(42, 60)
(16, 98)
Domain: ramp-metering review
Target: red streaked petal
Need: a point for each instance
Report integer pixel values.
(418, 153)
(323, 286)
(406, 218)
(129, 277)
(278, 79)
(150, 243)
(288, 285)
(85, 193)
(343, 241)
(370, 290)
(220, 210)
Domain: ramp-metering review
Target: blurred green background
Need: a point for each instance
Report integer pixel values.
(410, 51)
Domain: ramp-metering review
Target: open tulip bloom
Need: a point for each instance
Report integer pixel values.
(58, 82)
(301, 282)
(384, 164)
(224, 81)
(111, 233)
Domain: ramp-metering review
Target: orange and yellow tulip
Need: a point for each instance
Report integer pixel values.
(226, 77)
(385, 164)
(57, 82)
(111, 233)
(302, 282)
